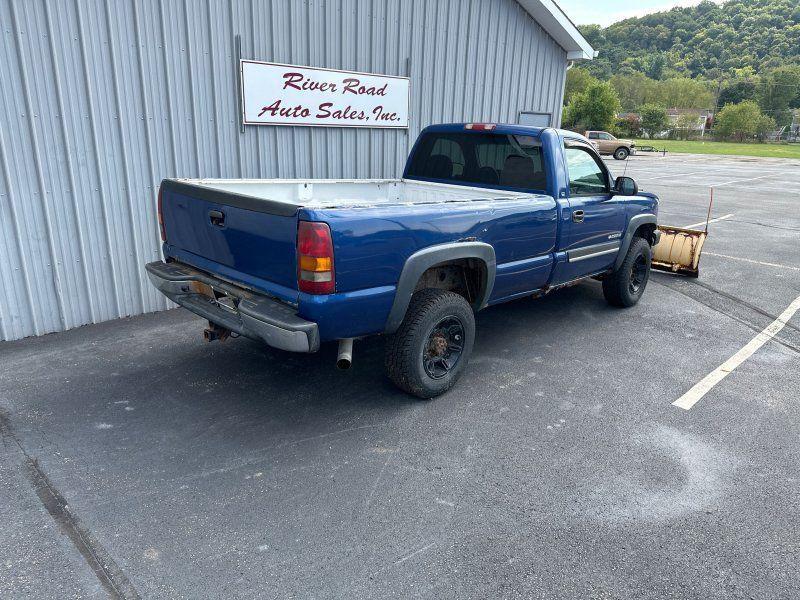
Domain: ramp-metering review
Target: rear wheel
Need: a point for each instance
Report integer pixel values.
(430, 350)
(626, 285)
(621, 153)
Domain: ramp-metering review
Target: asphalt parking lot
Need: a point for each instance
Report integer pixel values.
(138, 461)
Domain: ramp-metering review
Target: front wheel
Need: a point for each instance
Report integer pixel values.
(626, 285)
(429, 352)
(621, 153)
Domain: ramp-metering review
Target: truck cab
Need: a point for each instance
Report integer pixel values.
(591, 210)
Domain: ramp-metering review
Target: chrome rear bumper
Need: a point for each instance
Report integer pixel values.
(242, 311)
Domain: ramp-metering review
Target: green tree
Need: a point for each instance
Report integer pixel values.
(736, 91)
(654, 66)
(707, 41)
(778, 91)
(682, 92)
(741, 121)
(765, 126)
(577, 81)
(596, 108)
(634, 90)
(653, 118)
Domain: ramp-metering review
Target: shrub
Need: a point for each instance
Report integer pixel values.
(742, 121)
(596, 108)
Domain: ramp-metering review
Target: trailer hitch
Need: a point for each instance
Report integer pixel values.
(214, 332)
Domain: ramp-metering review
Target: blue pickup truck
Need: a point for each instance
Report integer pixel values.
(484, 213)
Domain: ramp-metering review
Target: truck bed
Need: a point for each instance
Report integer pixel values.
(245, 232)
(348, 193)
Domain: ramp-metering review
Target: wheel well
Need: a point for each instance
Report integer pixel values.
(464, 276)
(622, 148)
(646, 231)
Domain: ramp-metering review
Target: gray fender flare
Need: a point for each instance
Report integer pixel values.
(424, 259)
(634, 224)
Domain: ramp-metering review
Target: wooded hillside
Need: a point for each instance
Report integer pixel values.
(708, 41)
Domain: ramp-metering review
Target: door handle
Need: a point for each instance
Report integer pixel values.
(217, 218)
(577, 216)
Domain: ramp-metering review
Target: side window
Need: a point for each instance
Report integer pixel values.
(605, 136)
(586, 176)
(450, 149)
(593, 135)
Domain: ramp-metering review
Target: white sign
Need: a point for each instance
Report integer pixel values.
(276, 94)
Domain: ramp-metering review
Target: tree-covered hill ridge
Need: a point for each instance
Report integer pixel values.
(708, 41)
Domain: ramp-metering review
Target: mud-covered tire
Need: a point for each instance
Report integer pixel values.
(621, 153)
(626, 285)
(410, 362)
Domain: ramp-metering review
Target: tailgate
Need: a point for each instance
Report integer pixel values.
(241, 238)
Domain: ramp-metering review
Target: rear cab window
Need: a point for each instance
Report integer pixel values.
(506, 161)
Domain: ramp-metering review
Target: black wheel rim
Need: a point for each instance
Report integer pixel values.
(638, 275)
(444, 347)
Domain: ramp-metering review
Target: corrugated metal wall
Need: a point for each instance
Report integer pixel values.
(100, 100)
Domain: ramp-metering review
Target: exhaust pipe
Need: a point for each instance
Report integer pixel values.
(345, 358)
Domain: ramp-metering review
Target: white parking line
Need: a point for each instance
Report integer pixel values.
(690, 398)
(685, 184)
(755, 262)
(676, 175)
(716, 185)
(722, 218)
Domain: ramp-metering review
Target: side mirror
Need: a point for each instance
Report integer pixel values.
(625, 186)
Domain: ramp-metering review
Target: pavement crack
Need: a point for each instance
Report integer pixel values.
(110, 576)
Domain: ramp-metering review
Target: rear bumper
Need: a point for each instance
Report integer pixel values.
(252, 315)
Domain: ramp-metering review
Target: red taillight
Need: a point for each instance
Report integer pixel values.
(315, 273)
(161, 219)
(480, 126)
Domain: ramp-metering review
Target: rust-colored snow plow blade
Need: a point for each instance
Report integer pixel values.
(679, 249)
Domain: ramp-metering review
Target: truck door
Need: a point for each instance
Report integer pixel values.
(597, 220)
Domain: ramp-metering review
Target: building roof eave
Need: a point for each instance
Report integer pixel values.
(559, 26)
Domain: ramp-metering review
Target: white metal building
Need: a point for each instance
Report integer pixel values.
(101, 99)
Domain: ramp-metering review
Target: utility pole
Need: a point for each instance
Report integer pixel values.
(716, 105)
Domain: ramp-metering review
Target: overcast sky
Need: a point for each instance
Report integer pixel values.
(605, 12)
